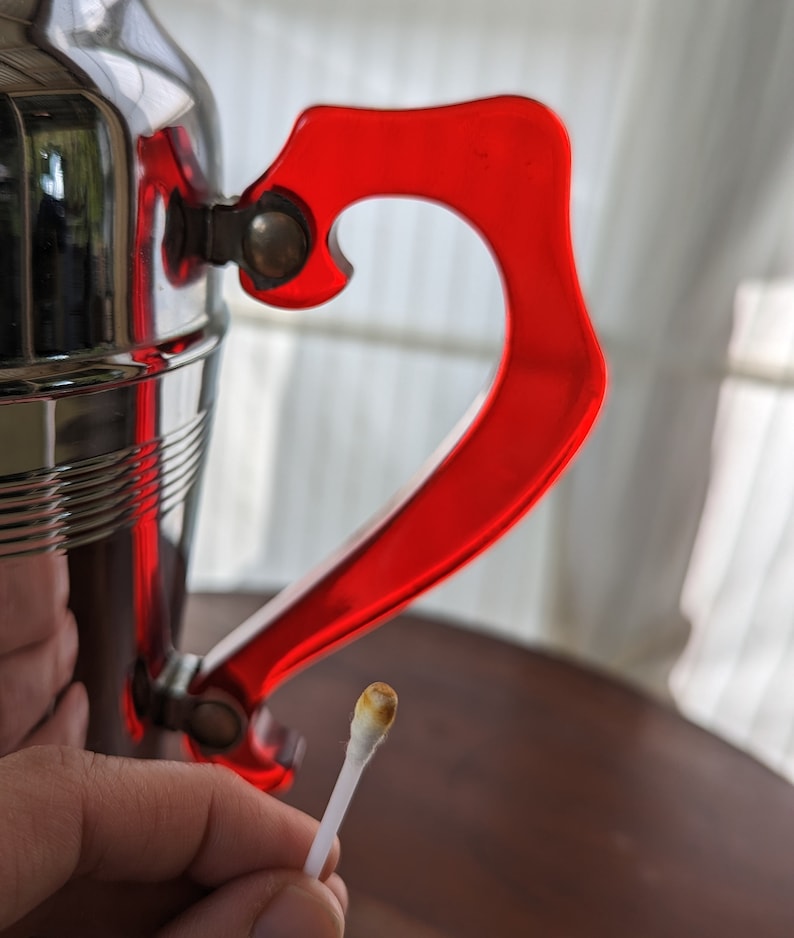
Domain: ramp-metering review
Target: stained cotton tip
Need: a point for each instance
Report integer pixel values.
(376, 707)
(374, 714)
(375, 711)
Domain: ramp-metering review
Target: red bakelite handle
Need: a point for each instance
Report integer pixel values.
(504, 165)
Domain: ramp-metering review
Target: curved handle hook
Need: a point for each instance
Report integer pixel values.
(503, 164)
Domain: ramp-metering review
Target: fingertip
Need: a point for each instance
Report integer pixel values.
(68, 725)
(269, 904)
(302, 907)
(338, 887)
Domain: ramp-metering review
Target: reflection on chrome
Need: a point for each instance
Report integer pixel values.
(107, 364)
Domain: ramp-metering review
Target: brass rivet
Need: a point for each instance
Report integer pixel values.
(275, 245)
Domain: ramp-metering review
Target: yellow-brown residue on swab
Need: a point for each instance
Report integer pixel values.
(375, 711)
(377, 705)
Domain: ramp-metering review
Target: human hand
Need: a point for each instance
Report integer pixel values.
(120, 848)
(38, 650)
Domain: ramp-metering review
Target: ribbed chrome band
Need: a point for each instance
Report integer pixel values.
(72, 504)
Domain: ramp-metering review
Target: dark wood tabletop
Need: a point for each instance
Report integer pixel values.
(521, 794)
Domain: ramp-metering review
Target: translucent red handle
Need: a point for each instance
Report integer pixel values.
(503, 164)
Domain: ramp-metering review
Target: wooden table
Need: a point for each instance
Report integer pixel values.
(522, 795)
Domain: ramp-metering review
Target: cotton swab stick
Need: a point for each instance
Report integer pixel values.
(374, 714)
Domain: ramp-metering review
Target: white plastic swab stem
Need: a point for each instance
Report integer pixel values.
(334, 815)
(374, 714)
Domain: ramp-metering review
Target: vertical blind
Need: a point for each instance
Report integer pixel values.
(664, 553)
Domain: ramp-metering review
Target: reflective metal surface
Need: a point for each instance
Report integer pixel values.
(107, 360)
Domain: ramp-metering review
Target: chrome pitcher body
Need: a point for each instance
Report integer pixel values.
(107, 364)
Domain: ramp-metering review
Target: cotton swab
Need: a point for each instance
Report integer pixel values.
(374, 714)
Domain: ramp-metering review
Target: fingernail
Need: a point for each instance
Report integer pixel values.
(80, 715)
(69, 647)
(296, 913)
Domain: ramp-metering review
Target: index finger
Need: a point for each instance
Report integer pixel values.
(74, 813)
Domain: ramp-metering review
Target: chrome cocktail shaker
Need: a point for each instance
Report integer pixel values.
(111, 229)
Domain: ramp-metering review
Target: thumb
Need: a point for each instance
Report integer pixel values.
(272, 904)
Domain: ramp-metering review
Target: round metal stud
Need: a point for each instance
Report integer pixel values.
(275, 246)
(214, 725)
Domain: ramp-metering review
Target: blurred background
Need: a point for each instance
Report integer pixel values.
(666, 553)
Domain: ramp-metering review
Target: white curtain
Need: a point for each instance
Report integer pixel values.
(680, 116)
